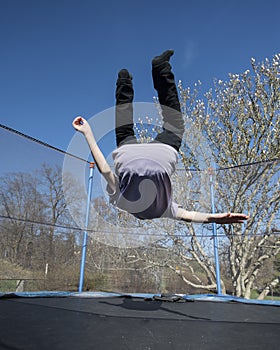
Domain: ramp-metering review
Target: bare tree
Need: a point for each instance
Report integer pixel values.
(35, 218)
(239, 121)
(21, 203)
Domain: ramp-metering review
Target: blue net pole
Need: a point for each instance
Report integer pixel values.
(215, 238)
(84, 247)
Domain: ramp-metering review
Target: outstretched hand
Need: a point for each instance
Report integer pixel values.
(80, 124)
(228, 218)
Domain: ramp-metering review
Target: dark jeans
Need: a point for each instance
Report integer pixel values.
(173, 124)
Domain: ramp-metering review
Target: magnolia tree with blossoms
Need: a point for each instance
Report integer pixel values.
(239, 122)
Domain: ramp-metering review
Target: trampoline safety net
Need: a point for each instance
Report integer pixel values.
(43, 234)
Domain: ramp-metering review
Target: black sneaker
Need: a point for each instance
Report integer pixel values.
(124, 74)
(164, 57)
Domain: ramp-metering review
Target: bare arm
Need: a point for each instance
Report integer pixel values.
(81, 125)
(198, 217)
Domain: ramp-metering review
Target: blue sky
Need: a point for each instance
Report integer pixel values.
(60, 58)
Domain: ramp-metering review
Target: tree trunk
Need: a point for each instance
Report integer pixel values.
(268, 288)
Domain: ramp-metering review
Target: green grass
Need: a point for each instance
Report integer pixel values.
(269, 297)
(8, 285)
(255, 295)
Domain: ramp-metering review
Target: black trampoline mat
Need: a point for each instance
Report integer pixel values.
(135, 323)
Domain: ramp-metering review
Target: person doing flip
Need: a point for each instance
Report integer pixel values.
(141, 181)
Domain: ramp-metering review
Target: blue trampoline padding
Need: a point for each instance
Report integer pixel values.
(230, 298)
(41, 294)
(193, 297)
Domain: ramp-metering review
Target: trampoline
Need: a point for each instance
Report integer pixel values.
(81, 320)
(134, 321)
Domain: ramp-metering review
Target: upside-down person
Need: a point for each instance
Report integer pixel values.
(141, 182)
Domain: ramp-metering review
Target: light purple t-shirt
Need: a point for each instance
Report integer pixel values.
(143, 183)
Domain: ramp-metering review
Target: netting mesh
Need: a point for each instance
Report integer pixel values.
(43, 208)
